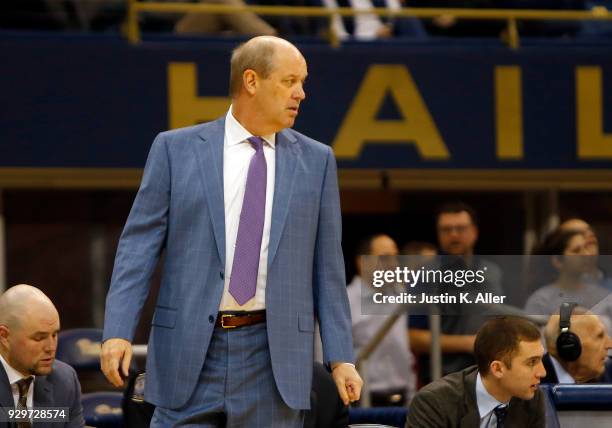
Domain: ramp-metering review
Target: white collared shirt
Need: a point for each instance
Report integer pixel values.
(14, 376)
(562, 375)
(237, 154)
(486, 404)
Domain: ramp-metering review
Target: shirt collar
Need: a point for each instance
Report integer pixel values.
(562, 375)
(235, 133)
(485, 401)
(12, 374)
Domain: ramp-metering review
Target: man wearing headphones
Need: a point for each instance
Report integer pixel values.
(577, 344)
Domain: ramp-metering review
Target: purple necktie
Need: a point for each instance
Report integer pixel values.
(243, 281)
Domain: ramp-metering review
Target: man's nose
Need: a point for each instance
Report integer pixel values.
(299, 94)
(51, 344)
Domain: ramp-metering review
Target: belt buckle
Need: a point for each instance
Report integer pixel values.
(223, 317)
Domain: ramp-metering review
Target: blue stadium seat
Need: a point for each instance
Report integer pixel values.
(391, 416)
(583, 397)
(80, 347)
(103, 409)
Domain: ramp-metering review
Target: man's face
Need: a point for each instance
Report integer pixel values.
(595, 344)
(32, 343)
(382, 245)
(279, 95)
(457, 233)
(521, 379)
(575, 260)
(592, 243)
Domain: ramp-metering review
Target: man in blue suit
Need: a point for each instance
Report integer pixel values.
(247, 213)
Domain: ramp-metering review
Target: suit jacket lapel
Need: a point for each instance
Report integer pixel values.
(285, 165)
(209, 153)
(471, 418)
(6, 395)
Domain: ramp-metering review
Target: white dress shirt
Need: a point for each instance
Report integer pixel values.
(237, 154)
(562, 375)
(14, 376)
(486, 404)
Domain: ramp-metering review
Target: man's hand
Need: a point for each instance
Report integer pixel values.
(114, 352)
(348, 382)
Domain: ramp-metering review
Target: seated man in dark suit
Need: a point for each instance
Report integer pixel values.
(30, 377)
(577, 344)
(501, 391)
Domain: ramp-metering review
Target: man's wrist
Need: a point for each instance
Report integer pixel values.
(335, 364)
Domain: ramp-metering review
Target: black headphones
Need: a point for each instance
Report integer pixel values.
(569, 347)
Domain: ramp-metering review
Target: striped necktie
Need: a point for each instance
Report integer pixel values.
(24, 386)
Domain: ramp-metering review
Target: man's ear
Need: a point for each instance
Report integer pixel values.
(4, 335)
(250, 81)
(496, 368)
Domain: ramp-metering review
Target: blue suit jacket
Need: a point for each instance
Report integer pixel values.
(179, 209)
(61, 388)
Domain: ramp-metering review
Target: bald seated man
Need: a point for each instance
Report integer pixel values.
(30, 376)
(591, 361)
(247, 213)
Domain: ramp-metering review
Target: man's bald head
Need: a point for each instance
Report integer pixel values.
(256, 54)
(594, 340)
(580, 317)
(29, 325)
(19, 301)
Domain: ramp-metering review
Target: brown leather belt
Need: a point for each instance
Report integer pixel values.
(240, 319)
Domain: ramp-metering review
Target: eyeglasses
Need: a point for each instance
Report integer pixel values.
(459, 228)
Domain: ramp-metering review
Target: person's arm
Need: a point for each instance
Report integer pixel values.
(420, 342)
(138, 252)
(330, 289)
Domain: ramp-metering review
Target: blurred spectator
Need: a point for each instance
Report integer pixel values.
(27, 14)
(245, 23)
(546, 28)
(597, 28)
(294, 25)
(457, 228)
(565, 257)
(594, 345)
(72, 15)
(390, 373)
(593, 274)
(419, 248)
(448, 26)
(368, 26)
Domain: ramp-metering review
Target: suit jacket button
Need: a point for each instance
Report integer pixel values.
(211, 319)
(222, 274)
